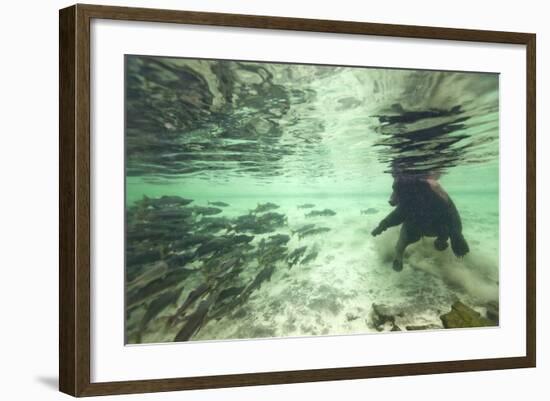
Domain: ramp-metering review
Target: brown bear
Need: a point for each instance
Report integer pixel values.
(424, 209)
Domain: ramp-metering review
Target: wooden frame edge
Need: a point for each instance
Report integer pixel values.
(67, 131)
(74, 199)
(74, 204)
(531, 199)
(300, 376)
(301, 24)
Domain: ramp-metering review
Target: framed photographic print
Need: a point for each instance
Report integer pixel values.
(251, 200)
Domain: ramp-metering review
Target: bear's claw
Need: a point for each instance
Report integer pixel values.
(460, 246)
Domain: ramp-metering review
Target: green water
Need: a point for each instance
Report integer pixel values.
(247, 134)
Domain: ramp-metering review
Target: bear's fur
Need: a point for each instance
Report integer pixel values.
(424, 209)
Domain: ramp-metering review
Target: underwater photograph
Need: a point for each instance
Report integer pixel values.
(270, 200)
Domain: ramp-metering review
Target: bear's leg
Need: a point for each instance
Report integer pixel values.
(459, 245)
(458, 242)
(441, 243)
(408, 235)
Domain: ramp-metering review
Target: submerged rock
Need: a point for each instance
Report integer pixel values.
(383, 314)
(463, 316)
